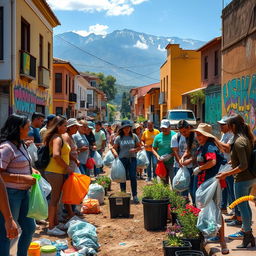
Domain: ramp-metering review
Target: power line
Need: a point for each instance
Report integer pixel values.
(109, 63)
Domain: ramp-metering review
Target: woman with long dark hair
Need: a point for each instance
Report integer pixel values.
(241, 151)
(127, 145)
(56, 170)
(16, 170)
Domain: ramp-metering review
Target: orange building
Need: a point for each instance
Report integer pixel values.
(64, 96)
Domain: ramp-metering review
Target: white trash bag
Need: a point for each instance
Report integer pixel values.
(108, 159)
(96, 191)
(209, 220)
(118, 173)
(225, 168)
(207, 191)
(142, 159)
(45, 186)
(32, 150)
(181, 180)
(98, 159)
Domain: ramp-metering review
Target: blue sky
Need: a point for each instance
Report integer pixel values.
(196, 19)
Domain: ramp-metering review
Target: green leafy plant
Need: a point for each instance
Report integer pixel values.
(197, 97)
(174, 238)
(104, 181)
(157, 191)
(176, 201)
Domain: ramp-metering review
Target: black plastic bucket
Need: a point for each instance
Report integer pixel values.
(155, 214)
(172, 250)
(119, 205)
(189, 253)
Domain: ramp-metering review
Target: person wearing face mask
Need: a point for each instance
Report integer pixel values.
(161, 148)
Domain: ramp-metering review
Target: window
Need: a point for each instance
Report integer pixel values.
(59, 111)
(66, 84)
(41, 50)
(49, 56)
(89, 98)
(1, 33)
(69, 84)
(205, 67)
(216, 63)
(58, 82)
(25, 35)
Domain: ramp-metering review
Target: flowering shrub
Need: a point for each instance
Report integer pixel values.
(188, 219)
(173, 236)
(104, 181)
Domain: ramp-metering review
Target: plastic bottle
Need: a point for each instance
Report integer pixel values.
(34, 249)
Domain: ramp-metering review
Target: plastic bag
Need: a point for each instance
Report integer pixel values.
(225, 168)
(32, 150)
(108, 159)
(45, 186)
(118, 172)
(90, 206)
(75, 188)
(90, 163)
(38, 206)
(209, 220)
(209, 190)
(181, 180)
(161, 170)
(96, 191)
(98, 159)
(142, 159)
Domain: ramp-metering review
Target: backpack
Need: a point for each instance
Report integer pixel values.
(44, 157)
(252, 165)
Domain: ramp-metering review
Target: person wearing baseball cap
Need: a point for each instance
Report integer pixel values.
(162, 148)
(209, 160)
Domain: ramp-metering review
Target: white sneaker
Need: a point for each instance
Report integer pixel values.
(55, 232)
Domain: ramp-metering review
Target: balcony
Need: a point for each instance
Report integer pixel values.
(72, 97)
(43, 77)
(27, 65)
(162, 98)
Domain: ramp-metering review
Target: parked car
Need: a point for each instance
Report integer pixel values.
(175, 115)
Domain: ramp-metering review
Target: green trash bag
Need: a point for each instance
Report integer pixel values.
(38, 206)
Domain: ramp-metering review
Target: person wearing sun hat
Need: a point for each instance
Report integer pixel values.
(126, 145)
(209, 160)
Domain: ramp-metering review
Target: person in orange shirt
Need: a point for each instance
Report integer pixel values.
(148, 138)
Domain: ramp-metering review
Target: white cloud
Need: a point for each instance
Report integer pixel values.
(97, 29)
(111, 7)
(141, 45)
(160, 49)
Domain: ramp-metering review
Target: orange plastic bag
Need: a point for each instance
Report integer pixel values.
(75, 188)
(161, 170)
(90, 206)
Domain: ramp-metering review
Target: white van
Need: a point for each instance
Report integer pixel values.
(175, 115)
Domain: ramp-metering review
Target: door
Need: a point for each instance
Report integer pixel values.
(4, 108)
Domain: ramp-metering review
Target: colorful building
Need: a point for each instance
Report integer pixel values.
(26, 39)
(63, 91)
(239, 60)
(180, 73)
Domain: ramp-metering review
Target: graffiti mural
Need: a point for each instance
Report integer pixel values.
(26, 99)
(239, 96)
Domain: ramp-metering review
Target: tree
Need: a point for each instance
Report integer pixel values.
(107, 84)
(111, 112)
(125, 106)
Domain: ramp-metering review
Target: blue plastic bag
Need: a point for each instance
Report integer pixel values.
(96, 191)
(108, 159)
(142, 159)
(118, 173)
(98, 159)
(181, 180)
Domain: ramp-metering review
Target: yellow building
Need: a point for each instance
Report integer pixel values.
(28, 46)
(180, 73)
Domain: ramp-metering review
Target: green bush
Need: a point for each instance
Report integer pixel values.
(157, 191)
(104, 181)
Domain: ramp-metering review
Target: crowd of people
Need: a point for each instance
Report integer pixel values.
(72, 142)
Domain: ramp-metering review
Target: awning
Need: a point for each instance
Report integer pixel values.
(195, 90)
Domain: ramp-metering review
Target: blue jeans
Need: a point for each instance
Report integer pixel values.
(192, 186)
(130, 165)
(18, 200)
(152, 164)
(84, 170)
(243, 188)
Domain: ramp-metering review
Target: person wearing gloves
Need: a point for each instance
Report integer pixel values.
(241, 151)
(209, 160)
(161, 148)
(125, 147)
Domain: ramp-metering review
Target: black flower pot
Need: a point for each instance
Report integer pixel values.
(170, 250)
(197, 243)
(189, 253)
(155, 214)
(174, 218)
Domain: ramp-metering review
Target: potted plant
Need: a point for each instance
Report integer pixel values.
(105, 182)
(155, 206)
(187, 217)
(174, 241)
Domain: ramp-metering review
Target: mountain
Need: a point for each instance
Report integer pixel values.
(131, 53)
